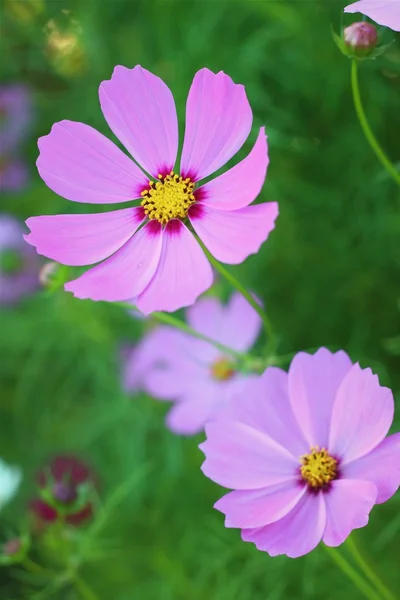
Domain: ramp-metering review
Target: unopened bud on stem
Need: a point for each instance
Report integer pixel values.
(361, 38)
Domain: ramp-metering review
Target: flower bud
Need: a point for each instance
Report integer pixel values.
(14, 550)
(64, 492)
(361, 38)
(12, 547)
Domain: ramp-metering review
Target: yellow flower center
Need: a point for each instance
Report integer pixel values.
(223, 369)
(318, 468)
(169, 198)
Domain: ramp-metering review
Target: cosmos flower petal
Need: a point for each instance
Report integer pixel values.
(381, 466)
(140, 110)
(205, 316)
(240, 325)
(152, 348)
(182, 274)
(348, 505)
(126, 273)
(80, 164)
(239, 186)
(171, 383)
(255, 508)
(384, 12)
(268, 409)
(218, 121)
(187, 417)
(79, 240)
(238, 456)
(296, 534)
(235, 325)
(314, 380)
(362, 414)
(231, 236)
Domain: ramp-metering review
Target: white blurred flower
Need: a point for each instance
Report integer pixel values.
(10, 478)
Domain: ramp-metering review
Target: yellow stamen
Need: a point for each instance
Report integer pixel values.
(318, 468)
(223, 369)
(169, 198)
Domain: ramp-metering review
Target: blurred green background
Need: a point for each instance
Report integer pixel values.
(328, 276)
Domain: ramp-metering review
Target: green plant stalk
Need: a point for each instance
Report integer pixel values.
(83, 588)
(352, 574)
(367, 570)
(169, 319)
(385, 162)
(271, 341)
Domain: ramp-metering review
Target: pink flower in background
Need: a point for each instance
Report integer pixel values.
(305, 453)
(149, 252)
(19, 264)
(63, 478)
(15, 121)
(14, 174)
(171, 365)
(384, 12)
(16, 116)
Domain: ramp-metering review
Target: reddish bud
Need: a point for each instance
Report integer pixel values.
(12, 547)
(361, 38)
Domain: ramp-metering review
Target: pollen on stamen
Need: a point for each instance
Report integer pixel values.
(170, 197)
(318, 468)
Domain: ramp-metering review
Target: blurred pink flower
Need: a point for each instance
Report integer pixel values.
(171, 365)
(19, 264)
(384, 12)
(13, 174)
(305, 453)
(16, 116)
(15, 120)
(151, 254)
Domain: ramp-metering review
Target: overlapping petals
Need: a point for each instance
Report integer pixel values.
(172, 365)
(256, 444)
(158, 263)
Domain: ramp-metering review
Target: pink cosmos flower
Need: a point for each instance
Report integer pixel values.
(305, 453)
(149, 252)
(384, 12)
(171, 365)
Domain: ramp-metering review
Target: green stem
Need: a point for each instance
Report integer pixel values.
(33, 567)
(84, 589)
(367, 570)
(271, 345)
(169, 319)
(385, 162)
(352, 574)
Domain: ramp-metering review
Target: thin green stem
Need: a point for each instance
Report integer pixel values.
(385, 162)
(352, 574)
(169, 319)
(368, 571)
(83, 588)
(271, 341)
